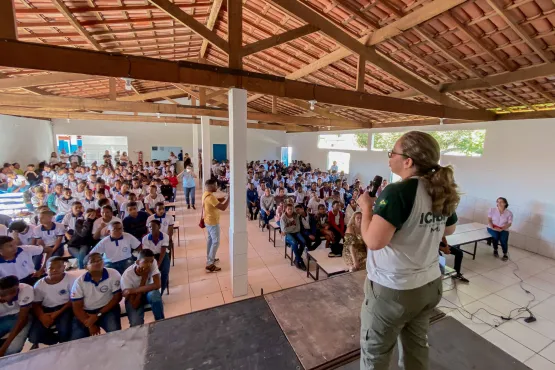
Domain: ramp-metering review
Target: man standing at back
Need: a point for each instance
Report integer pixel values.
(211, 208)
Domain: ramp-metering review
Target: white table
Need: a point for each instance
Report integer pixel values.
(469, 237)
(330, 266)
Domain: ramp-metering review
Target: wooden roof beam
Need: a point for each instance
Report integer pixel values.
(54, 58)
(279, 39)
(8, 24)
(75, 23)
(189, 21)
(214, 11)
(235, 33)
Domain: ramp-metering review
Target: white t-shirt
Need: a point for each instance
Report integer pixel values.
(123, 208)
(115, 250)
(64, 205)
(49, 236)
(130, 279)
(52, 295)
(313, 205)
(151, 203)
(96, 295)
(99, 221)
(165, 221)
(22, 266)
(88, 204)
(148, 243)
(70, 220)
(24, 298)
(27, 238)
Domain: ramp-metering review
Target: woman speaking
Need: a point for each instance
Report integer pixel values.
(402, 230)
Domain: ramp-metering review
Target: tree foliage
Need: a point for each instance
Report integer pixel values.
(462, 142)
(362, 140)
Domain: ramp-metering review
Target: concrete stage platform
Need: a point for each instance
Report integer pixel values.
(313, 326)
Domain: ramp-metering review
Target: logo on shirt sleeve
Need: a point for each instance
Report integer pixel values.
(103, 288)
(117, 283)
(25, 300)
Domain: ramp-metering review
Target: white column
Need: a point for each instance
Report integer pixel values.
(194, 154)
(206, 149)
(238, 240)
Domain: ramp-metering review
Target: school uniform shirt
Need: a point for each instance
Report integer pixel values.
(96, 295)
(115, 250)
(99, 221)
(24, 298)
(110, 203)
(137, 191)
(156, 248)
(22, 265)
(27, 238)
(79, 195)
(72, 185)
(53, 295)
(49, 236)
(90, 203)
(64, 205)
(50, 174)
(165, 221)
(69, 221)
(3, 230)
(61, 178)
(313, 205)
(130, 279)
(123, 208)
(151, 203)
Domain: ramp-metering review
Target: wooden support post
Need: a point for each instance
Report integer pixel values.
(274, 104)
(361, 73)
(8, 26)
(113, 88)
(235, 33)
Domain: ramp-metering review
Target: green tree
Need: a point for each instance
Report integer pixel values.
(362, 140)
(467, 142)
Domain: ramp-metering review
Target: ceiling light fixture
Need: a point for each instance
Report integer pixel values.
(157, 115)
(441, 121)
(312, 103)
(128, 82)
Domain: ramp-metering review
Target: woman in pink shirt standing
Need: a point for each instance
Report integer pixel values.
(500, 220)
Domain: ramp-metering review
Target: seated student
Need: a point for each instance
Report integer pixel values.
(300, 195)
(71, 182)
(89, 201)
(336, 220)
(51, 305)
(354, 249)
(81, 239)
(252, 201)
(48, 172)
(166, 221)
(117, 247)
(140, 284)
(100, 229)
(18, 260)
(445, 248)
(351, 209)
(71, 218)
(15, 305)
(309, 229)
(280, 197)
(151, 199)
(290, 225)
(39, 198)
(63, 204)
(131, 197)
(159, 243)
(49, 234)
(267, 205)
(22, 233)
(136, 188)
(323, 224)
(314, 203)
(79, 192)
(100, 195)
(52, 199)
(95, 298)
(135, 222)
(167, 190)
(31, 176)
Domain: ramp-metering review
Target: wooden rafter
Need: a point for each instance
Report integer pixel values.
(369, 53)
(113, 88)
(189, 21)
(279, 39)
(361, 73)
(41, 79)
(235, 33)
(152, 95)
(214, 11)
(75, 23)
(8, 28)
(53, 58)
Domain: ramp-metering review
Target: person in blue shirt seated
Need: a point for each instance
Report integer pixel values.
(95, 298)
(140, 284)
(135, 222)
(253, 203)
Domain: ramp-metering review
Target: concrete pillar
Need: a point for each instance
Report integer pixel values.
(194, 154)
(238, 239)
(206, 148)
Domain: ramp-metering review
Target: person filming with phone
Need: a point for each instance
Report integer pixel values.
(402, 230)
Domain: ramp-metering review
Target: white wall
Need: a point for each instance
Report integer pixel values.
(262, 144)
(25, 140)
(516, 164)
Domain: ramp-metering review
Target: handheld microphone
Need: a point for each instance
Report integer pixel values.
(375, 185)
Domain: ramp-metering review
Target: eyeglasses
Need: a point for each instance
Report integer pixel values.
(391, 152)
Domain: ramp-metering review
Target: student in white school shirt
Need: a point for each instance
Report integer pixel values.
(117, 248)
(18, 260)
(64, 204)
(159, 243)
(151, 199)
(52, 306)
(166, 221)
(140, 284)
(100, 226)
(22, 233)
(89, 201)
(3, 230)
(49, 233)
(15, 306)
(71, 218)
(95, 298)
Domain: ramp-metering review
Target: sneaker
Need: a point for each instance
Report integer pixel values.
(188, 206)
(332, 255)
(251, 218)
(213, 268)
(495, 254)
(216, 260)
(505, 257)
(460, 277)
(300, 265)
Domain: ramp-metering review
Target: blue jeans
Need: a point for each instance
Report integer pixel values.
(110, 321)
(267, 217)
(40, 334)
(190, 195)
(297, 243)
(79, 252)
(164, 270)
(311, 245)
(6, 325)
(120, 266)
(136, 316)
(212, 243)
(499, 237)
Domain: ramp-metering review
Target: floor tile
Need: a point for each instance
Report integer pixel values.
(177, 294)
(549, 352)
(542, 284)
(500, 278)
(291, 281)
(515, 294)
(228, 298)
(489, 285)
(268, 286)
(500, 304)
(261, 274)
(201, 274)
(546, 309)
(508, 345)
(176, 309)
(538, 362)
(204, 287)
(458, 298)
(473, 324)
(207, 301)
(525, 336)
